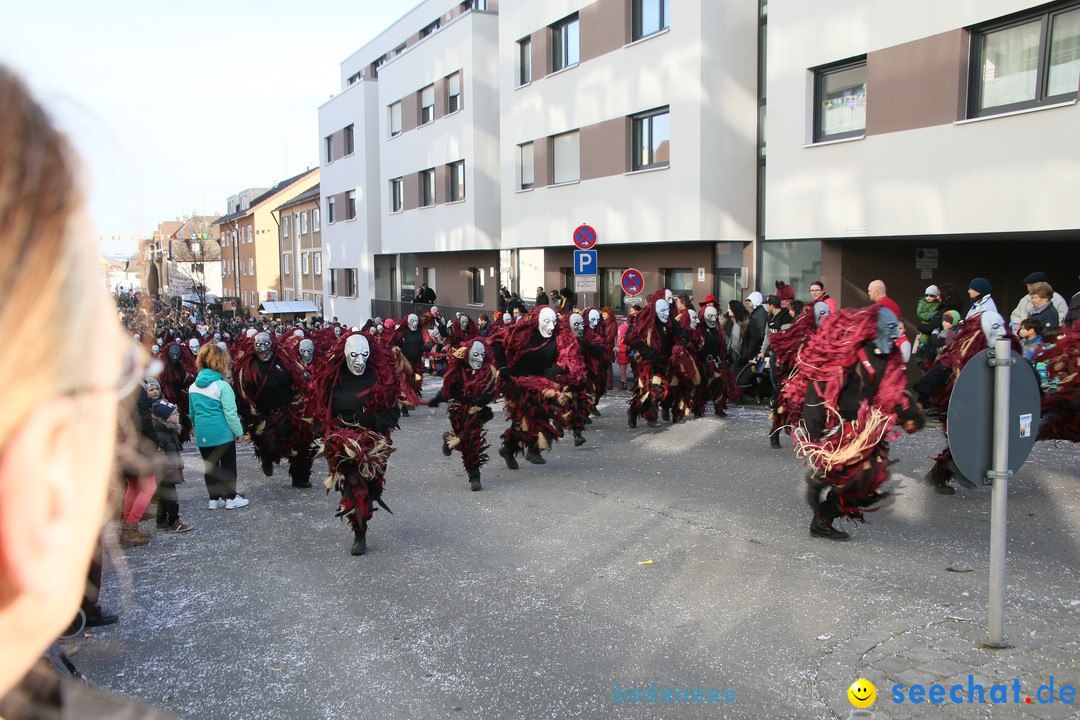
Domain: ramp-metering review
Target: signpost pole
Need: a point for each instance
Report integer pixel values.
(999, 476)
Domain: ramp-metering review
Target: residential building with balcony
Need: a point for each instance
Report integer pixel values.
(300, 232)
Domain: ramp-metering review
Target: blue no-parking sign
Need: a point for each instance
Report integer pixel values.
(632, 281)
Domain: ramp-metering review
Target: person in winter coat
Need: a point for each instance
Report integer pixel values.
(216, 426)
(170, 472)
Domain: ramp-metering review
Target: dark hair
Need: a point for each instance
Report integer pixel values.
(819, 284)
(738, 310)
(1032, 324)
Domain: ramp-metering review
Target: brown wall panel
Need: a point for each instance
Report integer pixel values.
(602, 27)
(410, 188)
(542, 171)
(915, 84)
(604, 147)
(440, 97)
(410, 112)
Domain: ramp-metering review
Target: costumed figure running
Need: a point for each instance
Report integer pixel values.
(853, 379)
(652, 338)
(271, 389)
(718, 381)
(1059, 366)
(176, 377)
(354, 396)
(469, 386)
(542, 359)
(787, 346)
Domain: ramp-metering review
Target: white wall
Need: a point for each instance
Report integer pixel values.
(999, 174)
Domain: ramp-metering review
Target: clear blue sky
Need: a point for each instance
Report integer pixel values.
(174, 106)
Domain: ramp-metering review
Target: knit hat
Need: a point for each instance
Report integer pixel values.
(1037, 277)
(932, 290)
(754, 298)
(980, 285)
(152, 382)
(163, 409)
(952, 316)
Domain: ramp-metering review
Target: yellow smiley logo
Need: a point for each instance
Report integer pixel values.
(862, 693)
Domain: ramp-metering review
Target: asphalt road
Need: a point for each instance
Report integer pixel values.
(679, 556)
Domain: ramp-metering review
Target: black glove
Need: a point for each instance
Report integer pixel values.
(484, 399)
(435, 401)
(486, 414)
(504, 373)
(366, 419)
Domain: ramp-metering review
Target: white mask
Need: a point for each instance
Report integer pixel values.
(507, 319)
(821, 311)
(710, 316)
(435, 334)
(993, 326)
(413, 321)
(693, 318)
(264, 346)
(193, 344)
(223, 346)
(464, 322)
(337, 331)
(663, 311)
(668, 295)
(435, 310)
(577, 324)
(548, 321)
(476, 355)
(138, 337)
(307, 351)
(594, 318)
(251, 332)
(217, 336)
(154, 350)
(357, 352)
(298, 333)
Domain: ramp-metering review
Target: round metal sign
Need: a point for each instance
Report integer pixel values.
(584, 237)
(632, 281)
(971, 415)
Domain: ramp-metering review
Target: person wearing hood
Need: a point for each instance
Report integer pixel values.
(216, 426)
(755, 331)
(979, 291)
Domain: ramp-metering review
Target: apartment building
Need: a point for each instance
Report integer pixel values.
(250, 241)
(300, 236)
(639, 119)
(410, 163)
(922, 142)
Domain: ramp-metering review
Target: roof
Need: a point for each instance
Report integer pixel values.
(306, 196)
(287, 306)
(264, 197)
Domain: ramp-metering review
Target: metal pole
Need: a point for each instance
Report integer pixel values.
(999, 476)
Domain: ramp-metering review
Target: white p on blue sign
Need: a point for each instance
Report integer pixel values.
(585, 262)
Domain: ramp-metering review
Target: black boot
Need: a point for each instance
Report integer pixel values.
(268, 468)
(665, 414)
(446, 444)
(774, 439)
(824, 529)
(404, 411)
(96, 617)
(507, 453)
(359, 546)
(533, 455)
(474, 480)
(579, 439)
(595, 412)
(631, 418)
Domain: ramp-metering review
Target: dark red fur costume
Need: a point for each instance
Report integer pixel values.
(718, 383)
(276, 433)
(787, 345)
(467, 393)
(356, 453)
(1061, 404)
(846, 449)
(652, 342)
(175, 383)
(538, 406)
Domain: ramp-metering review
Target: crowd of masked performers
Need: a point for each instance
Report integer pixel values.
(837, 381)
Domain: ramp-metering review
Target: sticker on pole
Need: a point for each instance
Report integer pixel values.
(584, 237)
(632, 281)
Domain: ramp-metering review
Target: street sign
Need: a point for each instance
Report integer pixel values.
(584, 237)
(585, 262)
(926, 259)
(632, 281)
(971, 415)
(586, 283)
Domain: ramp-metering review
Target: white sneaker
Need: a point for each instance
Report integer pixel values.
(217, 504)
(237, 502)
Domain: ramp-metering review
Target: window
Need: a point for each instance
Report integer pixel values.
(395, 119)
(456, 173)
(476, 286)
(453, 92)
(250, 233)
(651, 138)
(430, 29)
(329, 141)
(315, 220)
(524, 61)
(349, 140)
(303, 223)
(397, 195)
(316, 262)
(330, 210)
(525, 166)
(1024, 63)
(650, 17)
(566, 158)
(304, 263)
(350, 205)
(427, 104)
(251, 266)
(840, 100)
(427, 187)
(288, 295)
(343, 282)
(284, 228)
(564, 43)
(286, 264)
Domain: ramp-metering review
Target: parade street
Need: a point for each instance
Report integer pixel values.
(677, 556)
